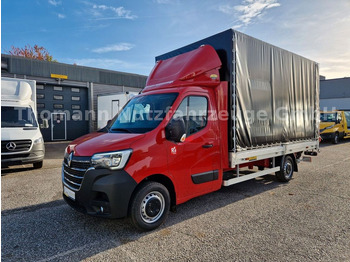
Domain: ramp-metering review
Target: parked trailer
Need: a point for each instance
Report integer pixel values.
(210, 109)
(109, 105)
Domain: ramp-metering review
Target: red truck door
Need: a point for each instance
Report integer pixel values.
(195, 163)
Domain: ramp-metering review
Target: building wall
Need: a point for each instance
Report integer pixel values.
(68, 100)
(32, 67)
(70, 104)
(335, 94)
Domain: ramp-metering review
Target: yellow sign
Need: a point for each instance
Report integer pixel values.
(214, 76)
(59, 76)
(251, 158)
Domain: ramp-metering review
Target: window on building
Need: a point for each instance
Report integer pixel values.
(57, 88)
(75, 98)
(40, 105)
(58, 97)
(75, 90)
(58, 106)
(77, 107)
(40, 96)
(40, 87)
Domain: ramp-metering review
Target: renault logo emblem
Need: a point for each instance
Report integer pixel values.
(11, 146)
(70, 158)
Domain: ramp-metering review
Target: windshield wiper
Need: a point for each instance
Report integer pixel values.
(121, 129)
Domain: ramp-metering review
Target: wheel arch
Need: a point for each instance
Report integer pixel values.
(295, 163)
(280, 160)
(162, 179)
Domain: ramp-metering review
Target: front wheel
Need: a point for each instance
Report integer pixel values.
(336, 138)
(150, 206)
(286, 170)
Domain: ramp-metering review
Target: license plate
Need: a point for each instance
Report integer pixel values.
(69, 193)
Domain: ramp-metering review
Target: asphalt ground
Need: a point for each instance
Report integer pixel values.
(307, 219)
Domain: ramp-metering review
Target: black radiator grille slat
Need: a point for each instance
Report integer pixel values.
(20, 146)
(74, 174)
(14, 156)
(81, 165)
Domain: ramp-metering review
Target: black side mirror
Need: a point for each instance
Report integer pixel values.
(109, 122)
(176, 130)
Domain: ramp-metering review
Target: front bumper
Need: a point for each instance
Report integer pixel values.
(36, 154)
(103, 192)
(327, 136)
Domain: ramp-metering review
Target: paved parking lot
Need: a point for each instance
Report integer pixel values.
(307, 219)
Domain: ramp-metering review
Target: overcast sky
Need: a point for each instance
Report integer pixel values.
(127, 35)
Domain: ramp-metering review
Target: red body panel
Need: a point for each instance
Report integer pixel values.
(197, 68)
(99, 142)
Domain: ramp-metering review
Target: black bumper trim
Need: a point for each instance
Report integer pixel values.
(327, 136)
(109, 189)
(205, 177)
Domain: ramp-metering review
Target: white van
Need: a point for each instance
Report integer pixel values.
(21, 139)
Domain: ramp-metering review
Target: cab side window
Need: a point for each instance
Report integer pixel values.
(194, 111)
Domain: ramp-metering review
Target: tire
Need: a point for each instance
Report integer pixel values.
(38, 165)
(150, 206)
(335, 138)
(286, 169)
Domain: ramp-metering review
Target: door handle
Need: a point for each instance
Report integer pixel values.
(207, 145)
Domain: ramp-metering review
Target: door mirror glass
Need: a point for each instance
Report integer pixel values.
(45, 124)
(338, 119)
(176, 130)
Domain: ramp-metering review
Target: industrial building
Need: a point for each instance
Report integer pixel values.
(335, 94)
(67, 94)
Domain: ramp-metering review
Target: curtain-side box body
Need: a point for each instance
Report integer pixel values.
(273, 93)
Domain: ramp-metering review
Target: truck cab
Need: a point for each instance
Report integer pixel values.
(167, 138)
(335, 125)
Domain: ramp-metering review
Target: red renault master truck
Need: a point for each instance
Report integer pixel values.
(208, 111)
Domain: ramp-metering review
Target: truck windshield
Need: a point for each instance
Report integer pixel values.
(17, 117)
(328, 117)
(144, 113)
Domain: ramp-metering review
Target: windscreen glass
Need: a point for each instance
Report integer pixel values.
(17, 117)
(144, 113)
(328, 117)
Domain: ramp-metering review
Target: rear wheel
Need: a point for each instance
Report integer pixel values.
(150, 206)
(38, 165)
(286, 169)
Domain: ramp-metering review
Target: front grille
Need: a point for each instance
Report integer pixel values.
(15, 146)
(73, 175)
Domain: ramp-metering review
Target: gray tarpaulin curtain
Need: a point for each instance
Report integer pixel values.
(276, 94)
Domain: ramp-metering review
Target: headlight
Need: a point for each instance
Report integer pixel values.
(39, 140)
(111, 160)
